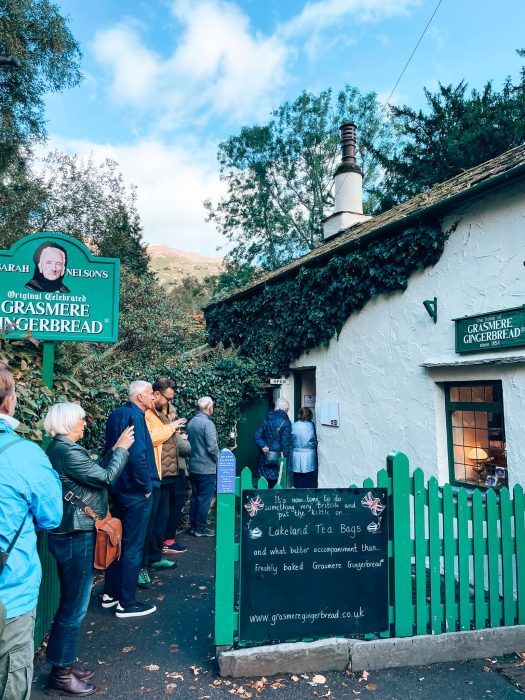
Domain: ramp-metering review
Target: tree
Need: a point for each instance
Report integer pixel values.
(457, 132)
(279, 176)
(90, 202)
(38, 55)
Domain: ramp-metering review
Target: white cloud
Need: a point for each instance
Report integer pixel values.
(172, 183)
(324, 14)
(219, 65)
(317, 19)
(134, 67)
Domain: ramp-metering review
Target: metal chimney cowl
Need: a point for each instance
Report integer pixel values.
(348, 187)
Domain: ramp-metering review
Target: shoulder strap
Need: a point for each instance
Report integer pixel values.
(71, 497)
(17, 535)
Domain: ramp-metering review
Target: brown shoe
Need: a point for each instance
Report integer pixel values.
(63, 681)
(85, 674)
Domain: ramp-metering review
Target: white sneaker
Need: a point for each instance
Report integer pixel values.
(108, 601)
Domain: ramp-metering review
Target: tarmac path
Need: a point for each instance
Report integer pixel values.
(171, 653)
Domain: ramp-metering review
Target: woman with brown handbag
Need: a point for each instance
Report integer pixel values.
(72, 543)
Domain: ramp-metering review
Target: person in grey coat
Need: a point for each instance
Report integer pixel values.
(202, 435)
(304, 451)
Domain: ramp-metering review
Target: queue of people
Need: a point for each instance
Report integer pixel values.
(140, 478)
(277, 438)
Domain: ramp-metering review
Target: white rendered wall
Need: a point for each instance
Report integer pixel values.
(387, 399)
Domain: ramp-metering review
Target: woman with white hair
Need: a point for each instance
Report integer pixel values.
(274, 440)
(72, 543)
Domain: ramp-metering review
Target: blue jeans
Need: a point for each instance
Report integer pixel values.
(120, 581)
(202, 492)
(74, 553)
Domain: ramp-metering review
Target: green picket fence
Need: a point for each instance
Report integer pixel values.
(456, 556)
(49, 594)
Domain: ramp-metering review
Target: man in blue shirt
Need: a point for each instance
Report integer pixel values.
(131, 502)
(31, 497)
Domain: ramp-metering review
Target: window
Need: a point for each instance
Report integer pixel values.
(476, 433)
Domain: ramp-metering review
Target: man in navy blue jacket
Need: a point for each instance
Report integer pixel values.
(131, 502)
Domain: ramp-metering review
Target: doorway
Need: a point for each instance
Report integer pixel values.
(304, 390)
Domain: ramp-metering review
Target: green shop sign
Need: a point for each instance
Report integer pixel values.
(53, 288)
(491, 331)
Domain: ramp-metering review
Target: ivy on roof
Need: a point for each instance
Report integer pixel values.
(279, 322)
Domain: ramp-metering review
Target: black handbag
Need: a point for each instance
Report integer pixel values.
(272, 458)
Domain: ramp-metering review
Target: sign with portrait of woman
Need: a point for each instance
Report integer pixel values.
(53, 288)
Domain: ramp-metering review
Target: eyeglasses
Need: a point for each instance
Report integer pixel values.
(165, 397)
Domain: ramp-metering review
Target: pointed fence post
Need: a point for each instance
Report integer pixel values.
(398, 471)
(226, 552)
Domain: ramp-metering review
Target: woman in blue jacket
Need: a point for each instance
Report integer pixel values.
(304, 451)
(274, 440)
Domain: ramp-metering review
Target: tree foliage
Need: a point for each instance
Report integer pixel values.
(279, 322)
(457, 131)
(279, 175)
(40, 55)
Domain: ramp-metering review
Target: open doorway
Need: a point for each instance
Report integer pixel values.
(304, 390)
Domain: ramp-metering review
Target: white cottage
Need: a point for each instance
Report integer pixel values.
(436, 370)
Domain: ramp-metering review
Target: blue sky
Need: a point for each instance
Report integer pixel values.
(166, 80)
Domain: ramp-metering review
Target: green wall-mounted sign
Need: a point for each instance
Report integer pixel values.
(496, 330)
(53, 288)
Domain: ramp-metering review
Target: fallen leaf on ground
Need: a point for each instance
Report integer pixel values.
(259, 685)
(202, 588)
(364, 676)
(422, 678)
(487, 669)
(303, 675)
(320, 680)
(174, 648)
(101, 662)
(195, 670)
(279, 683)
(175, 674)
(161, 597)
(170, 688)
(126, 650)
(151, 667)
(371, 686)
(295, 678)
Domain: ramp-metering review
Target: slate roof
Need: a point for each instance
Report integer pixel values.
(468, 185)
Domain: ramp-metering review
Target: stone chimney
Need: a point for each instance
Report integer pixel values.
(348, 187)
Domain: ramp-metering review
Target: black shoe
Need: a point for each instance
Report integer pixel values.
(135, 610)
(62, 681)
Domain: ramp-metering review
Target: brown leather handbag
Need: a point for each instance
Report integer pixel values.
(108, 544)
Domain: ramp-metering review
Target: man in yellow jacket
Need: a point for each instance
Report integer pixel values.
(164, 431)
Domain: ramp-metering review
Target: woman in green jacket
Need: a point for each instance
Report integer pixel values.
(72, 543)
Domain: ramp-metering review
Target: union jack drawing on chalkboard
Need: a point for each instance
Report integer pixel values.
(374, 504)
(254, 505)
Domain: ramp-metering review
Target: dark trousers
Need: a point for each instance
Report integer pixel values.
(167, 508)
(202, 492)
(176, 487)
(152, 545)
(304, 480)
(74, 553)
(121, 577)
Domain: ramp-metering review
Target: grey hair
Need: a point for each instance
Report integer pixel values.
(204, 402)
(62, 418)
(282, 404)
(137, 387)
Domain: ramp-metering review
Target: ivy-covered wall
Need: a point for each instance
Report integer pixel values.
(279, 322)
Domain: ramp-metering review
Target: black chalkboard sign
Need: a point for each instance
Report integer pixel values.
(314, 563)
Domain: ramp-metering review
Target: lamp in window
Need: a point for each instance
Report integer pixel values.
(479, 457)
